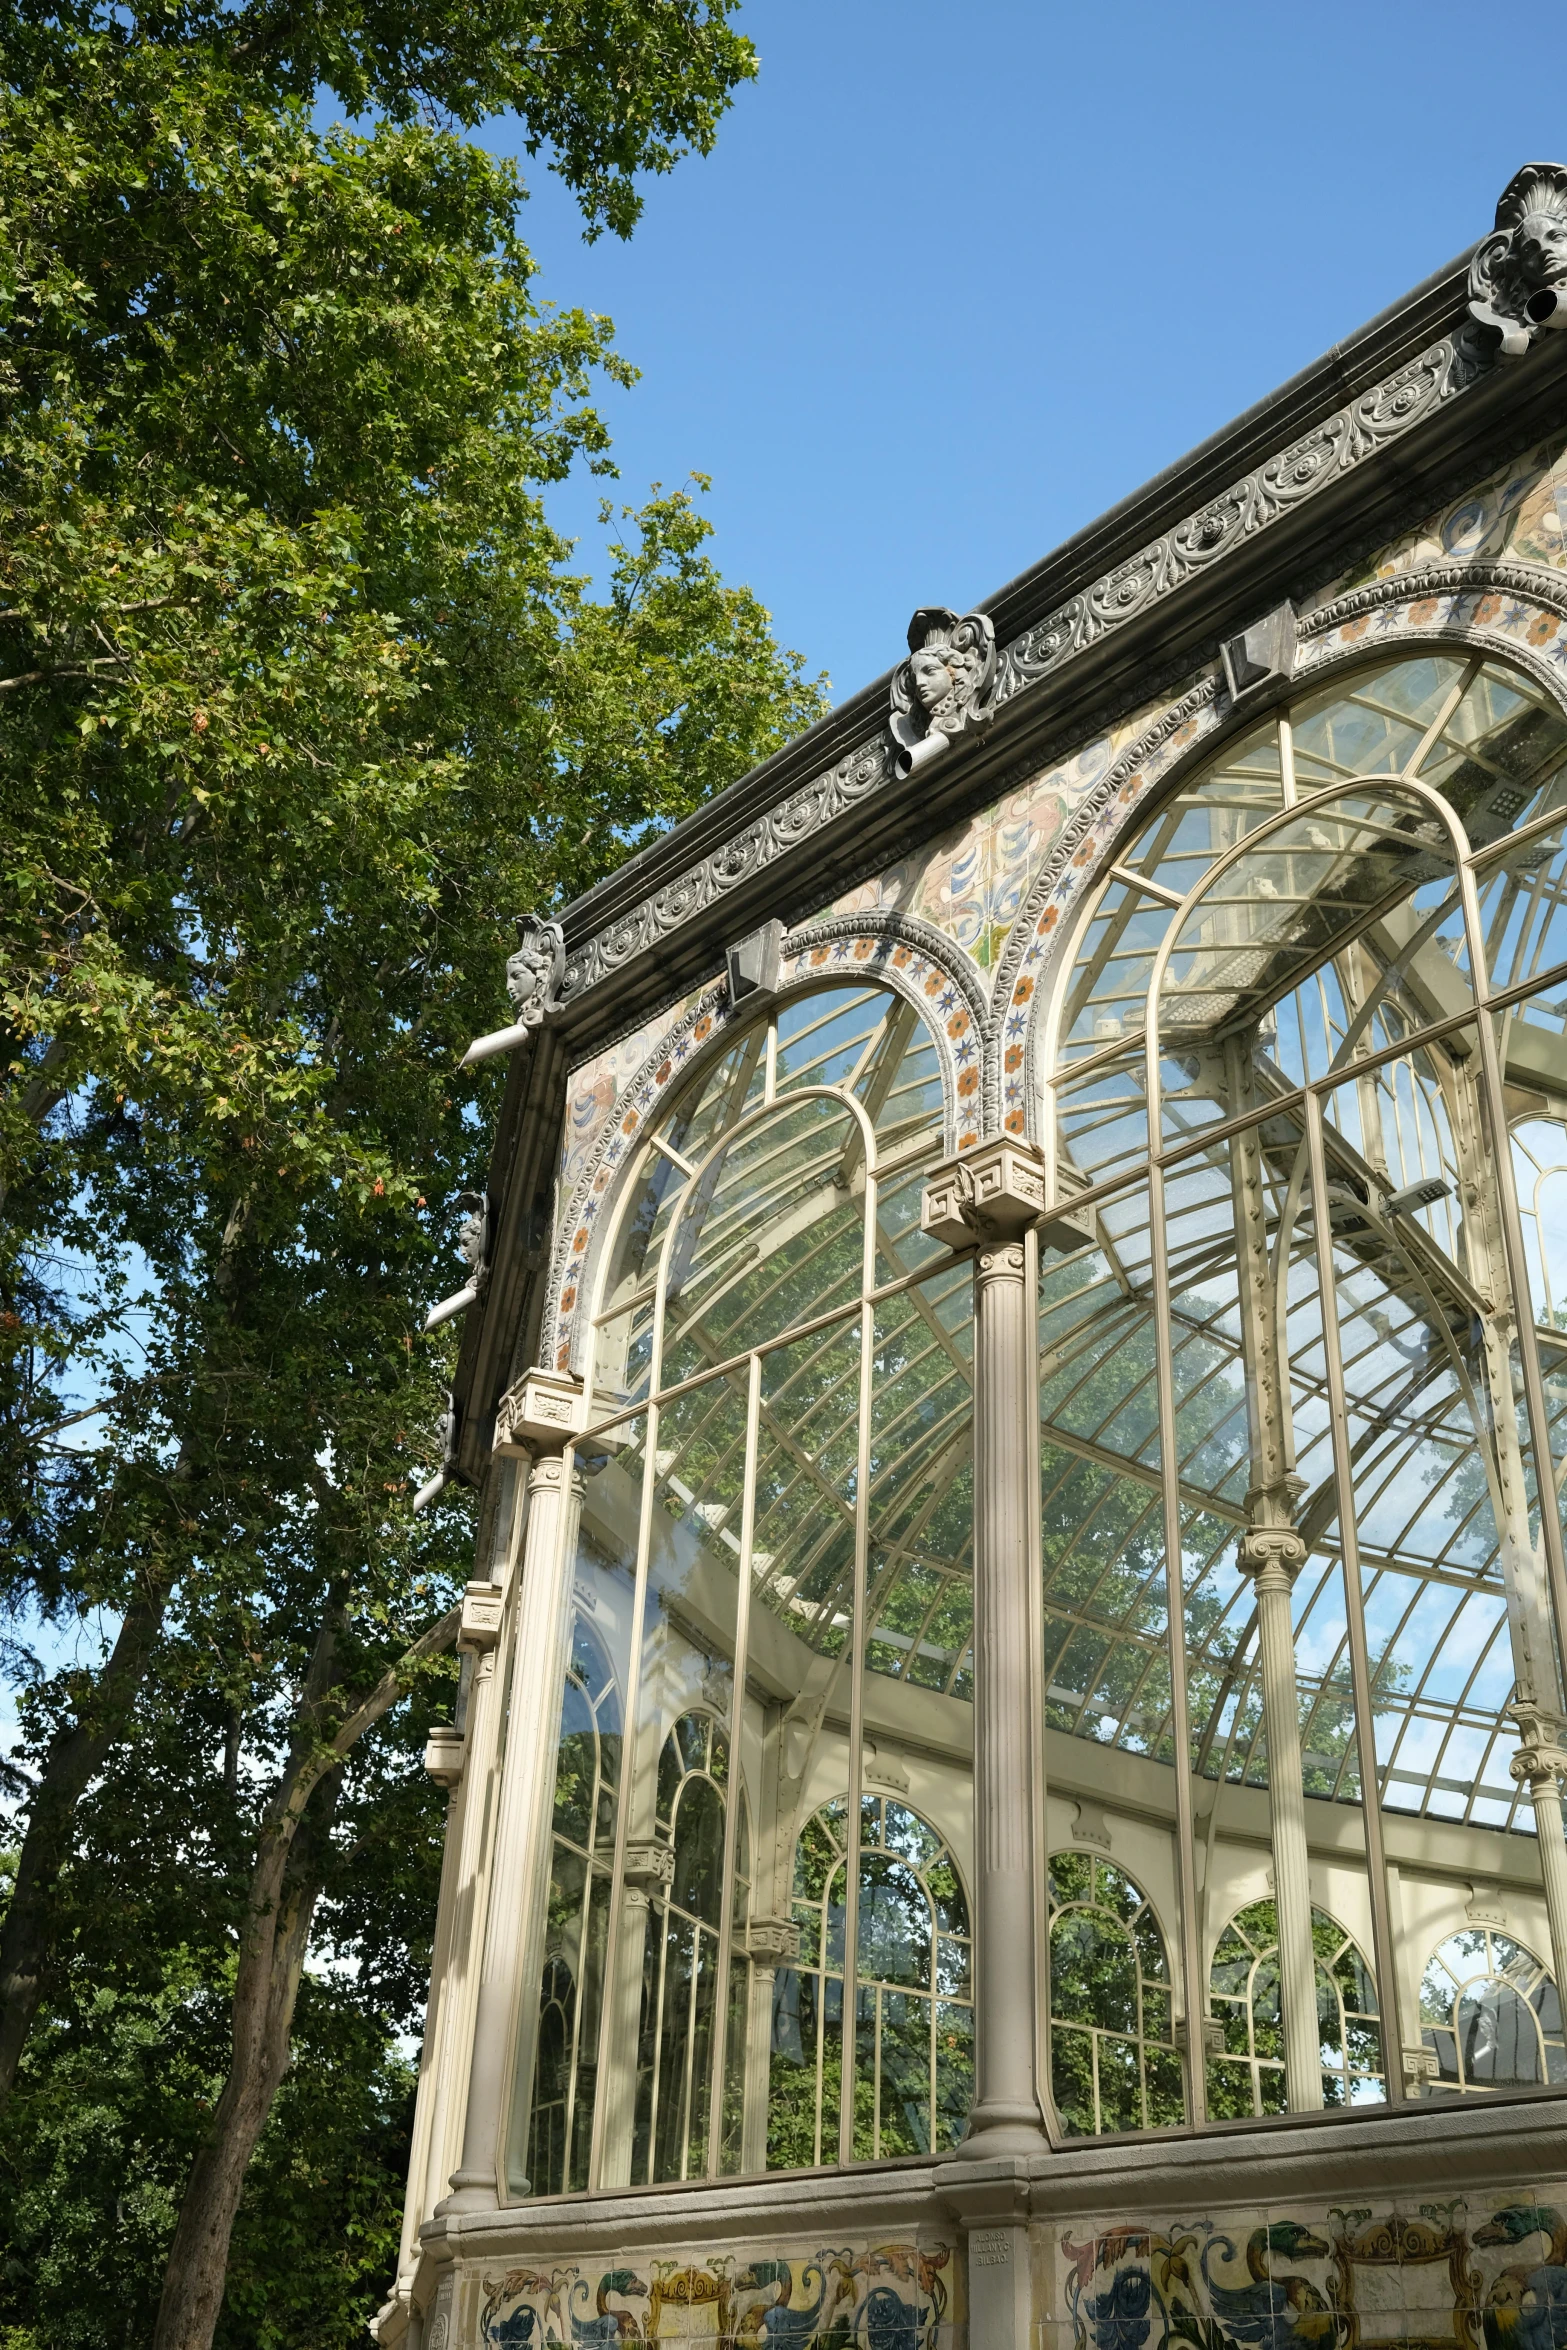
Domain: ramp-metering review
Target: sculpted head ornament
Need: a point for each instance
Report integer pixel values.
(534, 972)
(1518, 277)
(947, 684)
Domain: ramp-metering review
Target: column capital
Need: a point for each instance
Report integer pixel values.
(650, 1866)
(539, 1413)
(1541, 1755)
(482, 1607)
(992, 1193)
(1420, 2066)
(773, 1942)
(1268, 1552)
(1271, 1548)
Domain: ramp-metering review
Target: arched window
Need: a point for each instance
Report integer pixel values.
(777, 1463)
(587, 1772)
(1490, 2014)
(915, 2019)
(1245, 1992)
(1113, 2059)
(1280, 1375)
(680, 1988)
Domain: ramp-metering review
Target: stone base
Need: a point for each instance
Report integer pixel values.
(1387, 2227)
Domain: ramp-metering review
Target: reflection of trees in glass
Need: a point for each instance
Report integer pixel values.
(1490, 2014)
(1248, 2078)
(1113, 2060)
(914, 2039)
(587, 1771)
(680, 1967)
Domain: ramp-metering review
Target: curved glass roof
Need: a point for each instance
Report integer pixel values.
(1328, 948)
(1336, 946)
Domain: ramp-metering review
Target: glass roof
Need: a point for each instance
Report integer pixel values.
(1335, 939)
(1338, 938)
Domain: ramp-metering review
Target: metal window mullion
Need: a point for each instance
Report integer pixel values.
(1384, 1952)
(851, 1900)
(1194, 2002)
(735, 1794)
(1517, 1263)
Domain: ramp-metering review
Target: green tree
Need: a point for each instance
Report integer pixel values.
(303, 705)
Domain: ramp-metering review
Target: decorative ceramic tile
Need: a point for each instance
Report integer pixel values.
(895, 2296)
(1446, 2275)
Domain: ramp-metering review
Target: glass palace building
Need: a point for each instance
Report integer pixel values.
(1008, 1781)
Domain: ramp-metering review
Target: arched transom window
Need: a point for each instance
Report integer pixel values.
(1490, 2015)
(1248, 2076)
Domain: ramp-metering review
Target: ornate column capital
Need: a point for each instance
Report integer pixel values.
(1271, 1551)
(539, 1413)
(1541, 1756)
(992, 1194)
(773, 1942)
(650, 1867)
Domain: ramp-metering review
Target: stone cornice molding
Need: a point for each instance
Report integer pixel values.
(1277, 487)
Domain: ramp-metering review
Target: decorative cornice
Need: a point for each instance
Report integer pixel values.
(1274, 489)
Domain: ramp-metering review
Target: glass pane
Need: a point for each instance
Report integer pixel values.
(771, 1233)
(658, 2042)
(1113, 2060)
(1107, 1674)
(1280, 914)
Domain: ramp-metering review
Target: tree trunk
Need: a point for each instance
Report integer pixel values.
(280, 1909)
(75, 1757)
(284, 1888)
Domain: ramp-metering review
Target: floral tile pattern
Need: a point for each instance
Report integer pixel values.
(1439, 2275)
(894, 2296)
(1518, 511)
(970, 883)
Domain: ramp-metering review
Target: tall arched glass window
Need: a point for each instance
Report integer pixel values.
(775, 1515)
(915, 2018)
(1248, 2077)
(1293, 1435)
(587, 1773)
(681, 1952)
(1490, 2015)
(1113, 2059)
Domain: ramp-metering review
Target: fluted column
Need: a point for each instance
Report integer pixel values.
(648, 1874)
(539, 1416)
(771, 1943)
(990, 1197)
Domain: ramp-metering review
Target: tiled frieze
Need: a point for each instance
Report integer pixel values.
(1436, 2272)
(871, 2296)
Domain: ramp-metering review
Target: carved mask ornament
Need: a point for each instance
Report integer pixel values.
(1518, 277)
(947, 685)
(534, 972)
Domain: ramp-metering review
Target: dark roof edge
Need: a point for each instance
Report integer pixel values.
(1349, 368)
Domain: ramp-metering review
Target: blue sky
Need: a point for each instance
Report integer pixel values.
(955, 279)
